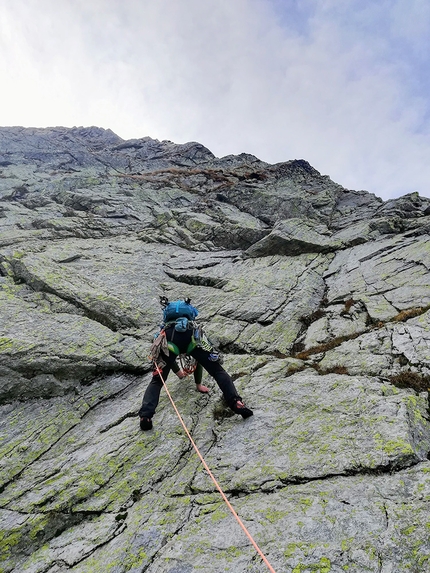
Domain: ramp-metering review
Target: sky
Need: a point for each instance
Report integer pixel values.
(343, 84)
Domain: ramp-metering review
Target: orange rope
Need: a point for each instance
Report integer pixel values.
(231, 508)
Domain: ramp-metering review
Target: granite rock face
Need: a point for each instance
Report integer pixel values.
(319, 299)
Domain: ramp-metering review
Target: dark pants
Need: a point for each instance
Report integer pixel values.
(182, 340)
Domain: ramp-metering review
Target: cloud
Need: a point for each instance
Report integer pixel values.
(336, 83)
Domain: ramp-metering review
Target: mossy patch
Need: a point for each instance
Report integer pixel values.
(323, 566)
(416, 381)
(410, 313)
(5, 343)
(393, 447)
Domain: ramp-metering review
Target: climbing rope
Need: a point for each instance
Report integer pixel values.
(231, 508)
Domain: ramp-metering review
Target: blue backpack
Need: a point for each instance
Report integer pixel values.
(179, 309)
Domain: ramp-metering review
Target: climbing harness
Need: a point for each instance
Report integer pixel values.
(231, 508)
(161, 346)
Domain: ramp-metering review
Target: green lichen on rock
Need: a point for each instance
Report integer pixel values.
(5, 343)
(323, 566)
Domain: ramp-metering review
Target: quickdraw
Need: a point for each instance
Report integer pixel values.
(188, 363)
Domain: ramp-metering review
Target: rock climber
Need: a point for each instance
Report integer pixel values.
(180, 334)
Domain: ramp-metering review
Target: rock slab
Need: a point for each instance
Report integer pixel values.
(318, 298)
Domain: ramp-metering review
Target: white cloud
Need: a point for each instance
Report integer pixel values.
(333, 83)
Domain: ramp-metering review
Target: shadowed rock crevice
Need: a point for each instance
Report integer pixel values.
(196, 280)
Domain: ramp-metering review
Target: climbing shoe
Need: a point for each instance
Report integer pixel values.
(145, 424)
(239, 408)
